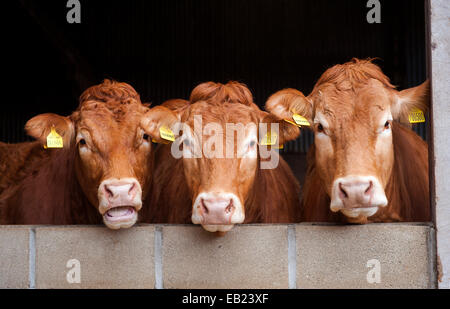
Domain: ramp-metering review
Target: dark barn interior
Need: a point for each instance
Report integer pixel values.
(165, 48)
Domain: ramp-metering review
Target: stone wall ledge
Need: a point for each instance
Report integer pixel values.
(304, 255)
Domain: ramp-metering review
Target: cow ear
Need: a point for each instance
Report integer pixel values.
(40, 127)
(156, 118)
(285, 103)
(407, 100)
(286, 131)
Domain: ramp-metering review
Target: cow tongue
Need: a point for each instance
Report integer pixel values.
(119, 211)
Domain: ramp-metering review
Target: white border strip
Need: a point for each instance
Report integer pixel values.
(32, 259)
(158, 258)
(292, 257)
(440, 70)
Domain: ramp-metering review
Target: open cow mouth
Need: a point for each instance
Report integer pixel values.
(120, 217)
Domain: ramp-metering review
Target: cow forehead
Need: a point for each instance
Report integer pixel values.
(106, 127)
(366, 102)
(124, 112)
(108, 120)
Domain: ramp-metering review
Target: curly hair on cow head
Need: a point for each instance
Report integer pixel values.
(110, 90)
(354, 73)
(217, 93)
(118, 98)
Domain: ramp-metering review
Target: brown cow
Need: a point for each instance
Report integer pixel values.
(214, 189)
(363, 166)
(104, 169)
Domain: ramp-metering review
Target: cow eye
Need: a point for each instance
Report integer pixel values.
(251, 146)
(188, 145)
(320, 127)
(387, 125)
(82, 142)
(146, 137)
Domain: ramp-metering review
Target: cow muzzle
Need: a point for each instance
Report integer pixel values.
(119, 202)
(217, 212)
(357, 196)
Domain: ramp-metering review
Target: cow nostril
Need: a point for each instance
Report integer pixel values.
(133, 186)
(229, 208)
(204, 208)
(369, 188)
(109, 193)
(342, 191)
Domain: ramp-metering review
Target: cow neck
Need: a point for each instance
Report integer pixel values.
(274, 196)
(169, 199)
(147, 191)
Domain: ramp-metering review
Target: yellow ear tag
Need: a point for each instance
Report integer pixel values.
(291, 122)
(54, 140)
(280, 147)
(269, 139)
(416, 116)
(300, 120)
(166, 134)
(156, 142)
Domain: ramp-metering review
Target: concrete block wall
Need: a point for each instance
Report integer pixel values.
(250, 256)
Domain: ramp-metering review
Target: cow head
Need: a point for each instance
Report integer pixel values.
(351, 110)
(113, 161)
(218, 144)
